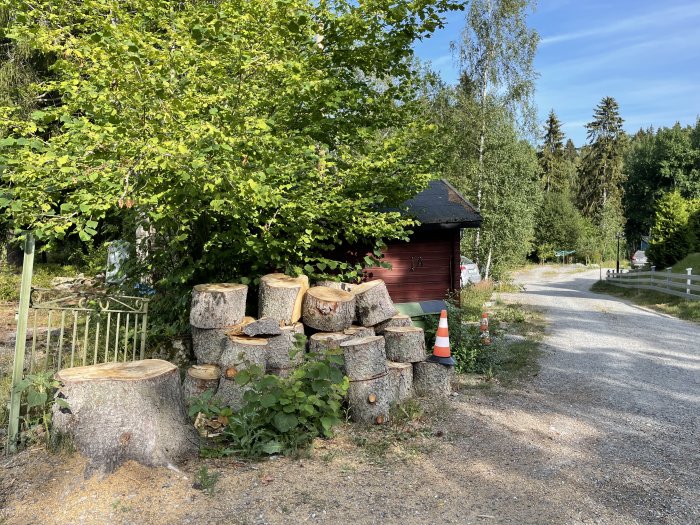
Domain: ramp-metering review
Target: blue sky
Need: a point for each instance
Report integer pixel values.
(645, 54)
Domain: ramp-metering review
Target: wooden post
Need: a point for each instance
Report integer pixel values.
(688, 271)
(20, 341)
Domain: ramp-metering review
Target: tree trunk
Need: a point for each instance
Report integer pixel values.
(218, 305)
(370, 400)
(400, 381)
(397, 320)
(432, 379)
(125, 411)
(328, 310)
(405, 344)
(281, 296)
(365, 358)
(488, 265)
(373, 303)
(199, 379)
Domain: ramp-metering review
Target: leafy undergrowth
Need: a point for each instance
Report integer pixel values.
(689, 261)
(668, 304)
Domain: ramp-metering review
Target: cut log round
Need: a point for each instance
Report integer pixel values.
(328, 309)
(241, 352)
(264, 326)
(369, 401)
(359, 331)
(230, 393)
(346, 287)
(280, 297)
(237, 329)
(218, 305)
(365, 357)
(405, 344)
(125, 411)
(199, 379)
(373, 303)
(278, 349)
(432, 379)
(322, 341)
(397, 320)
(400, 381)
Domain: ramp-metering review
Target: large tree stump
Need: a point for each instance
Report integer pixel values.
(328, 309)
(397, 320)
(405, 344)
(278, 361)
(365, 357)
(199, 379)
(359, 331)
(280, 297)
(125, 411)
(432, 379)
(369, 400)
(373, 303)
(400, 381)
(322, 341)
(242, 352)
(218, 305)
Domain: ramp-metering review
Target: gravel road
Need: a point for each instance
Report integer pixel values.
(620, 386)
(605, 434)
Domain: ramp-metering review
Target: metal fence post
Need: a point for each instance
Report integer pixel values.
(20, 341)
(689, 271)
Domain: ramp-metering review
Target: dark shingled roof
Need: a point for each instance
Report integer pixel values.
(441, 204)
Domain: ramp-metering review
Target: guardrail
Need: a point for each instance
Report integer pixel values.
(678, 284)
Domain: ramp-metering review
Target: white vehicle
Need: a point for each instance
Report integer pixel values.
(469, 272)
(639, 259)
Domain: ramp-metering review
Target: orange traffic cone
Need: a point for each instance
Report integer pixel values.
(441, 352)
(484, 328)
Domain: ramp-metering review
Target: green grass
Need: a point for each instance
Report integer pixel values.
(43, 274)
(689, 261)
(668, 304)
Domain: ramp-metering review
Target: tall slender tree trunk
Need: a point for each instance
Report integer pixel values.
(482, 148)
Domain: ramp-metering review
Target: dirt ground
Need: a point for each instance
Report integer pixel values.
(605, 433)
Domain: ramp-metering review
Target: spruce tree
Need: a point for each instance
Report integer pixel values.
(551, 156)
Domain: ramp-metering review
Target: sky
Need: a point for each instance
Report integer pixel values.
(643, 53)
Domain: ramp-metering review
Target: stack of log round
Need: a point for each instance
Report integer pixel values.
(365, 366)
(432, 378)
(278, 360)
(373, 303)
(397, 320)
(280, 297)
(405, 344)
(328, 309)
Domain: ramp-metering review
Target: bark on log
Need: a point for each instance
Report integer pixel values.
(218, 305)
(365, 357)
(397, 320)
(359, 331)
(369, 401)
(280, 297)
(230, 393)
(346, 287)
(327, 309)
(264, 326)
(432, 379)
(278, 348)
(373, 303)
(405, 344)
(209, 343)
(125, 411)
(199, 379)
(242, 352)
(322, 341)
(400, 381)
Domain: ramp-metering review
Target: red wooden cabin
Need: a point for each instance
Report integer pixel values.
(427, 267)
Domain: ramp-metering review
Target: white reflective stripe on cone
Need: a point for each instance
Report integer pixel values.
(443, 322)
(442, 341)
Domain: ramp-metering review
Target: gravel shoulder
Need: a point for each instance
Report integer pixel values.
(606, 433)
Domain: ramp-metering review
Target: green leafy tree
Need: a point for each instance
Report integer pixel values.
(558, 223)
(671, 235)
(601, 174)
(552, 160)
(496, 54)
(244, 136)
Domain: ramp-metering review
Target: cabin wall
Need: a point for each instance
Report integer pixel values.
(423, 269)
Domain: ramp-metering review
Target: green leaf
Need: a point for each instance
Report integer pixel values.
(36, 399)
(285, 422)
(268, 400)
(272, 447)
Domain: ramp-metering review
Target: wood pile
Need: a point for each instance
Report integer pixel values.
(384, 353)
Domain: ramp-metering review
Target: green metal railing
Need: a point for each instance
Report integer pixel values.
(71, 329)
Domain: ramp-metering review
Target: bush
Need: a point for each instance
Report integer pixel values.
(284, 415)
